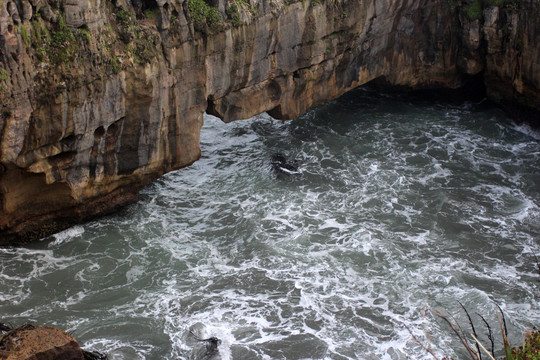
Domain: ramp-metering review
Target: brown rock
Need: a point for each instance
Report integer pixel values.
(30, 342)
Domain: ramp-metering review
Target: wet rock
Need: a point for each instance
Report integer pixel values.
(4, 328)
(282, 165)
(94, 355)
(211, 349)
(30, 342)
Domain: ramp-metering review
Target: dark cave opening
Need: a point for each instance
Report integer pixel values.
(142, 6)
(472, 88)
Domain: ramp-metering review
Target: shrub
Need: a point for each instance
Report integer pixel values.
(63, 44)
(234, 15)
(151, 14)
(201, 13)
(25, 35)
(3, 78)
(124, 18)
(197, 10)
(474, 10)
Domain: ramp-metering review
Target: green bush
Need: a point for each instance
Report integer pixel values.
(25, 35)
(115, 64)
(86, 34)
(475, 10)
(3, 78)
(63, 44)
(124, 18)
(197, 10)
(234, 15)
(38, 33)
(151, 14)
(213, 17)
(201, 13)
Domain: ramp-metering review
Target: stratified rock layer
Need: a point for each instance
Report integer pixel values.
(99, 98)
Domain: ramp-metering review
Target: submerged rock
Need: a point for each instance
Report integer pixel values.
(29, 342)
(210, 351)
(282, 165)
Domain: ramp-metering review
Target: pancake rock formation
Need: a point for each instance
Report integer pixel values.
(101, 97)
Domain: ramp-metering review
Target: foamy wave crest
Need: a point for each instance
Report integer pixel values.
(67, 235)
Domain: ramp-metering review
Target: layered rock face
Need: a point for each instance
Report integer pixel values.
(99, 98)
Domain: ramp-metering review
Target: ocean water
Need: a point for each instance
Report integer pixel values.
(396, 205)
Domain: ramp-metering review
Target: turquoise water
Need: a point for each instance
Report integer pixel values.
(399, 205)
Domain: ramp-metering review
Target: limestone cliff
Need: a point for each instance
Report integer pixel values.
(99, 98)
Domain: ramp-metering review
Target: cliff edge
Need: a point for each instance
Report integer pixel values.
(100, 97)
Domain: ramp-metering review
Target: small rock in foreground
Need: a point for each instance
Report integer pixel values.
(29, 342)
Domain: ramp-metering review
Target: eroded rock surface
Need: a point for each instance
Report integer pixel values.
(99, 98)
(30, 342)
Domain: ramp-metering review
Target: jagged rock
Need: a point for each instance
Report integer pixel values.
(114, 101)
(30, 342)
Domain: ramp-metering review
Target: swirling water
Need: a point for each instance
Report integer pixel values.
(399, 205)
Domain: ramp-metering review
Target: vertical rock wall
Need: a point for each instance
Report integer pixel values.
(99, 98)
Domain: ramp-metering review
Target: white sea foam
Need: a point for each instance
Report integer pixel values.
(528, 130)
(388, 218)
(67, 235)
(119, 350)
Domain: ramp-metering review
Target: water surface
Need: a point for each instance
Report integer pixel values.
(399, 205)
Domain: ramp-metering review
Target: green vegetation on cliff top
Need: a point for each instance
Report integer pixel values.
(57, 44)
(204, 15)
(139, 44)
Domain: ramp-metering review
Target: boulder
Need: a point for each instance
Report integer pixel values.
(29, 342)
